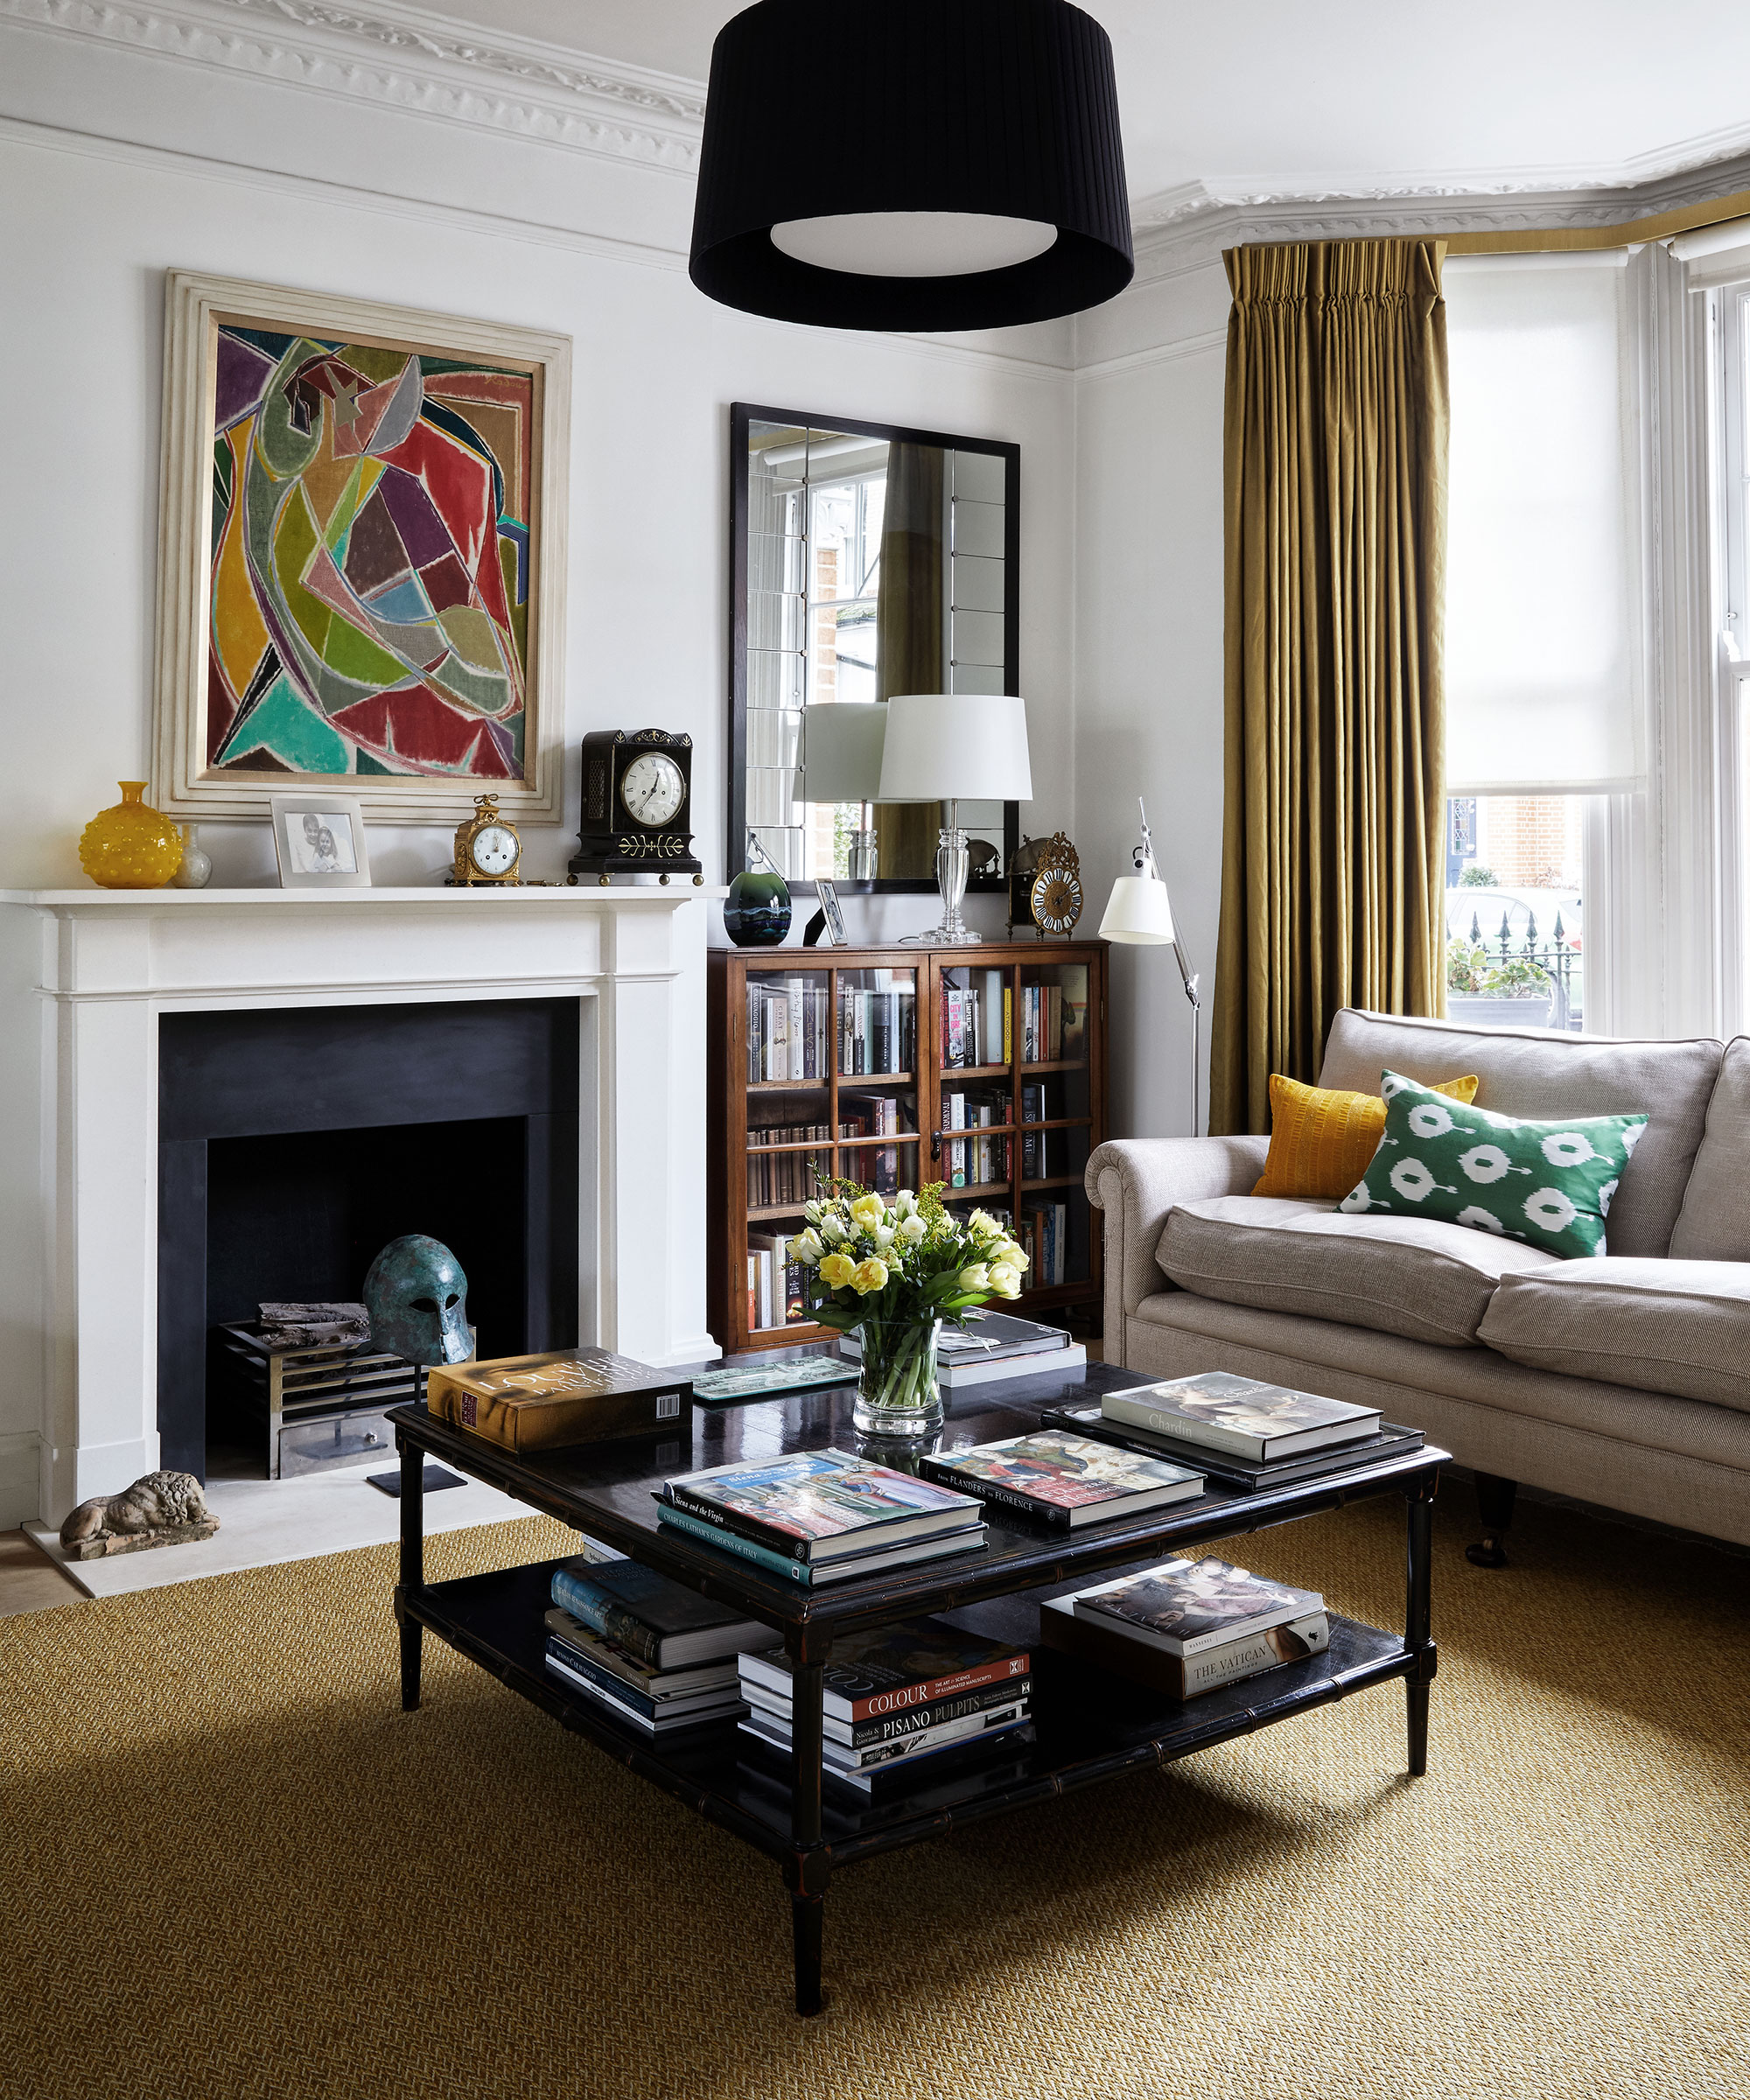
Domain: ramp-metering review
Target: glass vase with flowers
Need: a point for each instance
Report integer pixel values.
(891, 1272)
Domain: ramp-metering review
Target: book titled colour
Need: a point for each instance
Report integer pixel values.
(887, 1669)
(1244, 1416)
(1066, 1480)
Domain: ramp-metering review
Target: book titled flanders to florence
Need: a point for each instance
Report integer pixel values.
(539, 1402)
(1222, 1411)
(1180, 1676)
(816, 1505)
(1184, 1607)
(1068, 1482)
(650, 1617)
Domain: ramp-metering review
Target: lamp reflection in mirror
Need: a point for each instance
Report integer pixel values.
(950, 747)
(842, 742)
(1138, 913)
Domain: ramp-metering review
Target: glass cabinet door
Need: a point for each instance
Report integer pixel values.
(832, 1095)
(1055, 1120)
(973, 1148)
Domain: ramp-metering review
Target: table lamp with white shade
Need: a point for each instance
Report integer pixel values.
(1138, 913)
(955, 747)
(841, 742)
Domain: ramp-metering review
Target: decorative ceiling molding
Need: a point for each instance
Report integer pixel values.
(1187, 228)
(405, 57)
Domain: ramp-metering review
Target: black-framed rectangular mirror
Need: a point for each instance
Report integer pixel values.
(866, 559)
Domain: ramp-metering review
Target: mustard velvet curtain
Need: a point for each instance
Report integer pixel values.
(1333, 877)
(908, 632)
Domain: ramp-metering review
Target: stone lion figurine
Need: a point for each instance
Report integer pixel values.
(160, 1509)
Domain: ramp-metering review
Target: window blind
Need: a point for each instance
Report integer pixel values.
(1541, 627)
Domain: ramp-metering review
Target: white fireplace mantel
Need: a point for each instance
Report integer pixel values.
(88, 972)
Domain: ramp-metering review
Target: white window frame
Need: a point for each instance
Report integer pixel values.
(1727, 308)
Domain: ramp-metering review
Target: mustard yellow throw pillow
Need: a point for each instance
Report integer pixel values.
(1322, 1141)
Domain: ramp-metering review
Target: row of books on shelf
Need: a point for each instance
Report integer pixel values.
(1044, 1237)
(795, 1034)
(775, 1297)
(974, 1162)
(978, 1018)
(789, 1177)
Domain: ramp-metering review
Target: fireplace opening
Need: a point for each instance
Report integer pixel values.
(293, 1145)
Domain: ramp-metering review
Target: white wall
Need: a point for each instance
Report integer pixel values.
(1148, 666)
(118, 164)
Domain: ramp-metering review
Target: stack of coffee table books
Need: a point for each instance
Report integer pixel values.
(1187, 1626)
(897, 1701)
(821, 1516)
(1064, 1480)
(993, 1346)
(1241, 1430)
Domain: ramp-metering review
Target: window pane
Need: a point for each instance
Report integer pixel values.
(1515, 949)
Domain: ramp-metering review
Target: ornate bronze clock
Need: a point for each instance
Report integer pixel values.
(637, 805)
(487, 847)
(1045, 886)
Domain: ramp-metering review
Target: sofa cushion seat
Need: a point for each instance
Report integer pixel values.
(1661, 1327)
(1420, 1278)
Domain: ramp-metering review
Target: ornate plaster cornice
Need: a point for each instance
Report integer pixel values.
(409, 60)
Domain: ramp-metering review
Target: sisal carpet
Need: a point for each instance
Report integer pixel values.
(232, 1866)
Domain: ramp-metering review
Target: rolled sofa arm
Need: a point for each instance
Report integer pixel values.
(1136, 1181)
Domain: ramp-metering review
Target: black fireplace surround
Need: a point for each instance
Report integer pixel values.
(295, 1143)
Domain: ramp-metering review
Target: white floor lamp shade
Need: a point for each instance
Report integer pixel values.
(955, 747)
(1138, 914)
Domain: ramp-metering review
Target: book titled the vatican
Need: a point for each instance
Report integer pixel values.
(1218, 1411)
(561, 1397)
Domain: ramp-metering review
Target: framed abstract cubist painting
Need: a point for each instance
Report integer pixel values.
(362, 557)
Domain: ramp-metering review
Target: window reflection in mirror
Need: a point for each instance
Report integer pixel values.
(876, 563)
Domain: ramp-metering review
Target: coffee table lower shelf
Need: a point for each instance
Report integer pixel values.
(1087, 1725)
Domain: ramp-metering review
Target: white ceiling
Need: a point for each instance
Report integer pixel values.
(1342, 94)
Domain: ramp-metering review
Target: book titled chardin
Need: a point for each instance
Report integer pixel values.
(1222, 1411)
(1068, 1482)
(561, 1397)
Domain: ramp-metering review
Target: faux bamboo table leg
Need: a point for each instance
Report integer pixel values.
(1417, 1638)
(809, 1869)
(412, 1568)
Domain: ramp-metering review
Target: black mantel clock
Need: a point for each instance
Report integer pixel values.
(637, 805)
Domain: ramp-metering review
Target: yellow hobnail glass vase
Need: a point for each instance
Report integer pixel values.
(130, 846)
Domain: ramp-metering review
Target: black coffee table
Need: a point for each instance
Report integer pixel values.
(1087, 1725)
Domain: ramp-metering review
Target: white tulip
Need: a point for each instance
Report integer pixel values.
(1006, 1279)
(883, 1237)
(811, 1211)
(1009, 1252)
(911, 1227)
(905, 1204)
(831, 1228)
(982, 1226)
(978, 1278)
(806, 1248)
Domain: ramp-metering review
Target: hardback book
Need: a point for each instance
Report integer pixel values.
(1222, 1412)
(635, 1675)
(908, 1723)
(643, 1612)
(662, 1724)
(818, 1506)
(874, 1560)
(1184, 1607)
(538, 1403)
(886, 1669)
(1086, 1419)
(1068, 1482)
(845, 1757)
(987, 1337)
(722, 1698)
(1180, 1676)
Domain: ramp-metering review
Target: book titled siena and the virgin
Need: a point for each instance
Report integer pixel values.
(1219, 1410)
(1068, 1482)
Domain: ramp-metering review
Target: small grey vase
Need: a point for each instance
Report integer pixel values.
(197, 865)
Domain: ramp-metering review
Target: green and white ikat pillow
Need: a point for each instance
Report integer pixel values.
(1548, 1184)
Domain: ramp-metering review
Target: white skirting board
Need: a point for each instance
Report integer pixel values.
(262, 1522)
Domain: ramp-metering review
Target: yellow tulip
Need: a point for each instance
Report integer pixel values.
(869, 1212)
(871, 1276)
(838, 1268)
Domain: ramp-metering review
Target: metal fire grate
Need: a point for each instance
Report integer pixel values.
(319, 1408)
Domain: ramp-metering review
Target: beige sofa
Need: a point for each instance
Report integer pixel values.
(1623, 1380)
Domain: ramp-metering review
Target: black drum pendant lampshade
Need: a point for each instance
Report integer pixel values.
(912, 165)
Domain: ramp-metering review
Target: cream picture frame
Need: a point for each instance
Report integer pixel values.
(187, 783)
(320, 842)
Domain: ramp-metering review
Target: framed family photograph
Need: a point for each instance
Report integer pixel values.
(361, 557)
(320, 843)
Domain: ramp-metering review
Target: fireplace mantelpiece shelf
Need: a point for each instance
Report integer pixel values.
(79, 1241)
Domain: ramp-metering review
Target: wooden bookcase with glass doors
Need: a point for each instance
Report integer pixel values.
(983, 1069)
